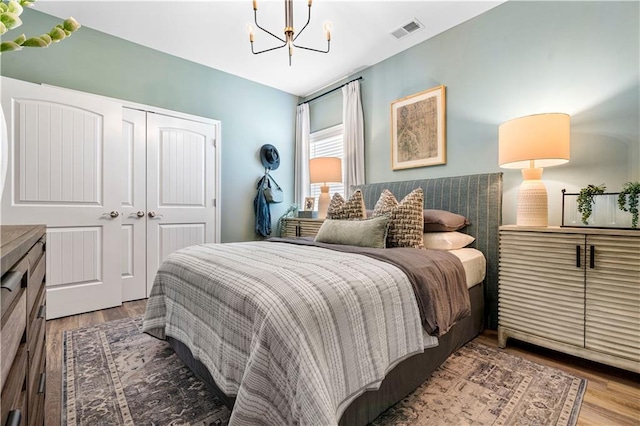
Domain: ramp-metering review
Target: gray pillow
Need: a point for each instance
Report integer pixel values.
(443, 221)
(361, 233)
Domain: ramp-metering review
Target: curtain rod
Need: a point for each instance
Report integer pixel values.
(330, 91)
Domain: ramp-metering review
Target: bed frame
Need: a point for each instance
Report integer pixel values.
(477, 197)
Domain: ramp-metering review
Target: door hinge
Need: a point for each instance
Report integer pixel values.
(214, 202)
(213, 142)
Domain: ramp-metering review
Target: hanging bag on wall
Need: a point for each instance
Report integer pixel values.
(273, 193)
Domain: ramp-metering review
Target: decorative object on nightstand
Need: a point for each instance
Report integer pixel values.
(594, 208)
(308, 212)
(531, 143)
(324, 170)
(628, 201)
(586, 200)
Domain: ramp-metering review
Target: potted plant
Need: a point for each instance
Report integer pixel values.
(628, 201)
(586, 200)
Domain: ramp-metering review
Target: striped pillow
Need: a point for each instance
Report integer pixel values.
(405, 228)
(339, 209)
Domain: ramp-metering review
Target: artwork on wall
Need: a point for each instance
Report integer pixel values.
(418, 134)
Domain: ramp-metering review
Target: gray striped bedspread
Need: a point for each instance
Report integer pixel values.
(295, 332)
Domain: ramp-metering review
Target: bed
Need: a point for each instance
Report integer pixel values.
(378, 370)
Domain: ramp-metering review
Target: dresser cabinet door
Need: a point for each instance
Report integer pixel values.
(613, 295)
(541, 285)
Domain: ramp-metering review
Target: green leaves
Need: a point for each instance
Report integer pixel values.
(585, 200)
(10, 12)
(628, 200)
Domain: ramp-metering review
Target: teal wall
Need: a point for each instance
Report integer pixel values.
(251, 114)
(520, 58)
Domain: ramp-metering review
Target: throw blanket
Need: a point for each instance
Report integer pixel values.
(295, 332)
(437, 277)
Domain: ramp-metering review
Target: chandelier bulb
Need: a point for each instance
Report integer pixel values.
(250, 31)
(310, 3)
(328, 27)
(255, 5)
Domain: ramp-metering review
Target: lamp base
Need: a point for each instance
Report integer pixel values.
(323, 202)
(533, 207)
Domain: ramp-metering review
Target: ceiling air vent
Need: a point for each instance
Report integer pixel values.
(408, 28)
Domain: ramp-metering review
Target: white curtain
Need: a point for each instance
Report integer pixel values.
(353, 122)
(303, 129)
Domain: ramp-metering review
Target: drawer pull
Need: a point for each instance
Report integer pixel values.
(592, 257)
(14, 417)
(43, 382)
(12, 280)
(578, 264)
(42, 311)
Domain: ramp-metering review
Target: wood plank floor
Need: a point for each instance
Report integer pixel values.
(612, 396)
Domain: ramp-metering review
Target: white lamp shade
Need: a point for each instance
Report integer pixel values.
(542, 138)
(325, 169)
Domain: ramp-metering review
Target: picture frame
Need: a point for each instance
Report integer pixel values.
(309, 203)
(418, 129)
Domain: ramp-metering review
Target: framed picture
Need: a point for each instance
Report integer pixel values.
(418, 136)
(309, 203)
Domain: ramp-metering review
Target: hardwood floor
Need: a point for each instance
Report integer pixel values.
(612, 396)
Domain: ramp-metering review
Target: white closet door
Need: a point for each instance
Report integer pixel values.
(64, 171)
(181, 186)
(134, 204)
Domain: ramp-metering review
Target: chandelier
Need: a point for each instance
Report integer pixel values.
(290, 36)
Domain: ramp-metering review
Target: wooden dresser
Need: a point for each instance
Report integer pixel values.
(22, 335)
(574, 290)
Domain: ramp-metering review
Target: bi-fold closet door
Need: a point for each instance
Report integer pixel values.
(169, 189)
(119, 189)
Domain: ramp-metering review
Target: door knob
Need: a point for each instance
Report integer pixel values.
(153, 214)
(113, 214)
(140, 213)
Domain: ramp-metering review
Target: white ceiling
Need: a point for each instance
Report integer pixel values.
(213, 33)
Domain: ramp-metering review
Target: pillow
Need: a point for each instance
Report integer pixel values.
(442, 220)
(346, 210)
(449, 240)
(361, 233)
(405, 228)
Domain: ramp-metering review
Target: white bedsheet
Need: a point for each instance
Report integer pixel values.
(475, 264)
(475, 268)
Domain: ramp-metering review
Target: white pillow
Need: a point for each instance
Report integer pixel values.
(446, 240)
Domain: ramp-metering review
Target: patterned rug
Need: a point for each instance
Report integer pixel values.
(115, 375)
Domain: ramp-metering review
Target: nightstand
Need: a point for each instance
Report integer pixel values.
(574, 290)
(300, 227)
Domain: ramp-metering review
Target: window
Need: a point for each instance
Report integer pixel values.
(327, 143)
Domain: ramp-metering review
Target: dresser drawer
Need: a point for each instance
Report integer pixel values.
(36, 357)
(37, 316)
(37, 388)
(12, 282)
(36, 276)
(14, 393)
(12, 334)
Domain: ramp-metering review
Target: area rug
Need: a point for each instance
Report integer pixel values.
(113, 374)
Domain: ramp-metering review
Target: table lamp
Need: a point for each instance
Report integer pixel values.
(323, 170)
(531, 143)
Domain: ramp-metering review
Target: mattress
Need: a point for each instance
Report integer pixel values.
(475, 264)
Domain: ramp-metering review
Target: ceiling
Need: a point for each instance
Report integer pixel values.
(213, 33)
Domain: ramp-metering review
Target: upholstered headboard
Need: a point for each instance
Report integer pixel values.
(478, 198)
